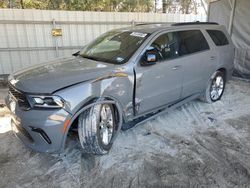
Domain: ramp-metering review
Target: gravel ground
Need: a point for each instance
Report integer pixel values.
(196, 145)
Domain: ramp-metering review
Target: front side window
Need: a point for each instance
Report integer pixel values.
(166, 46)
(191, 41)
(114, 47)
(176, 44)
(218, 37)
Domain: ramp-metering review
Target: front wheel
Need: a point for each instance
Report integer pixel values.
(215, 88)
(97, 128)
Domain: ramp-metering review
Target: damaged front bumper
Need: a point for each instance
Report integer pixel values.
(42, 130)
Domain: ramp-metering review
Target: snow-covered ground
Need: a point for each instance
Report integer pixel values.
(196, 145)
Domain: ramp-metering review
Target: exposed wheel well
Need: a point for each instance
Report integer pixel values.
(74, 125)
(224, 71)
(73, 129)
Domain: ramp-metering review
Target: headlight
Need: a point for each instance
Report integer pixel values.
(47, 101)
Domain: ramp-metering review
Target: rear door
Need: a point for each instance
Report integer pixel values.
(161, 83)
(224, 48)
(198, 61)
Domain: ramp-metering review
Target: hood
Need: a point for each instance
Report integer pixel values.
(57, 74)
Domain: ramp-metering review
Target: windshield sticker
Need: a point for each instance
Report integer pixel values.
(119, 59)
(138, 34)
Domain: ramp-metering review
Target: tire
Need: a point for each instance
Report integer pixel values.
(215, 88)
(96, 134)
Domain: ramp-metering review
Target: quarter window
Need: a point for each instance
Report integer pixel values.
(191, 41)
(218, 37)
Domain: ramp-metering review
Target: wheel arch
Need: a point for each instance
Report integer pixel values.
(221, 69)
(204, 94)
(224, 71)
(90, 103)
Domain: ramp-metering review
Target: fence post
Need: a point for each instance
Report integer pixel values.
(231, 20)
(133, 22)
(55, 39)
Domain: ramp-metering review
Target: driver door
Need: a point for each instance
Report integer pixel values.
(161, 83)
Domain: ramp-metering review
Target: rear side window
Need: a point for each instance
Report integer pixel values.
(191, 41)
(218, 37)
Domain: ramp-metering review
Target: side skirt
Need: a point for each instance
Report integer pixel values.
(140, 119)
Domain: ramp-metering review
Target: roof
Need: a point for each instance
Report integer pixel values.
(154, 27)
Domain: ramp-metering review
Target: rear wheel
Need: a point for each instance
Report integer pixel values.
(215, 88)
(97, 128)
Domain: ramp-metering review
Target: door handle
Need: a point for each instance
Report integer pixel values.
(212, 57)
(176, 67)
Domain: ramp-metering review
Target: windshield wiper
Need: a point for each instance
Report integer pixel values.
(92, 58)
(98, 59)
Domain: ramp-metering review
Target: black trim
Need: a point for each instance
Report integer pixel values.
(167, 106)
(154, 23)
(194, 23)
(42, 133)
(134, 93)
(20, 97)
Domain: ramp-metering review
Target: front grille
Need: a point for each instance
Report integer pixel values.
(19, 96)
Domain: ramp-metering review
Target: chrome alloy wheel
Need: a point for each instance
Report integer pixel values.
(106, 124)
(217, 88)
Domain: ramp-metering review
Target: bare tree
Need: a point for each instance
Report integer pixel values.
(22, 4)
(203, 5)
(164, 3)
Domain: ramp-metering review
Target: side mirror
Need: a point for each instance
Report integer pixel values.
(150, 58)
(76, 53)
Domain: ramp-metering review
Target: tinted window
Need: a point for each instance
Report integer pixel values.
(191, 41)
(166, 46)
(218, 37)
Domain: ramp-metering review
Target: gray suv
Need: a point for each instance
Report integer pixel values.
(119, 79)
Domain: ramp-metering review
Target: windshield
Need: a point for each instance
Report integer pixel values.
(114, 47)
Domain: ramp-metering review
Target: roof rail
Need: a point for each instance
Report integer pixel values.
(152, 23)
(194, 23)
